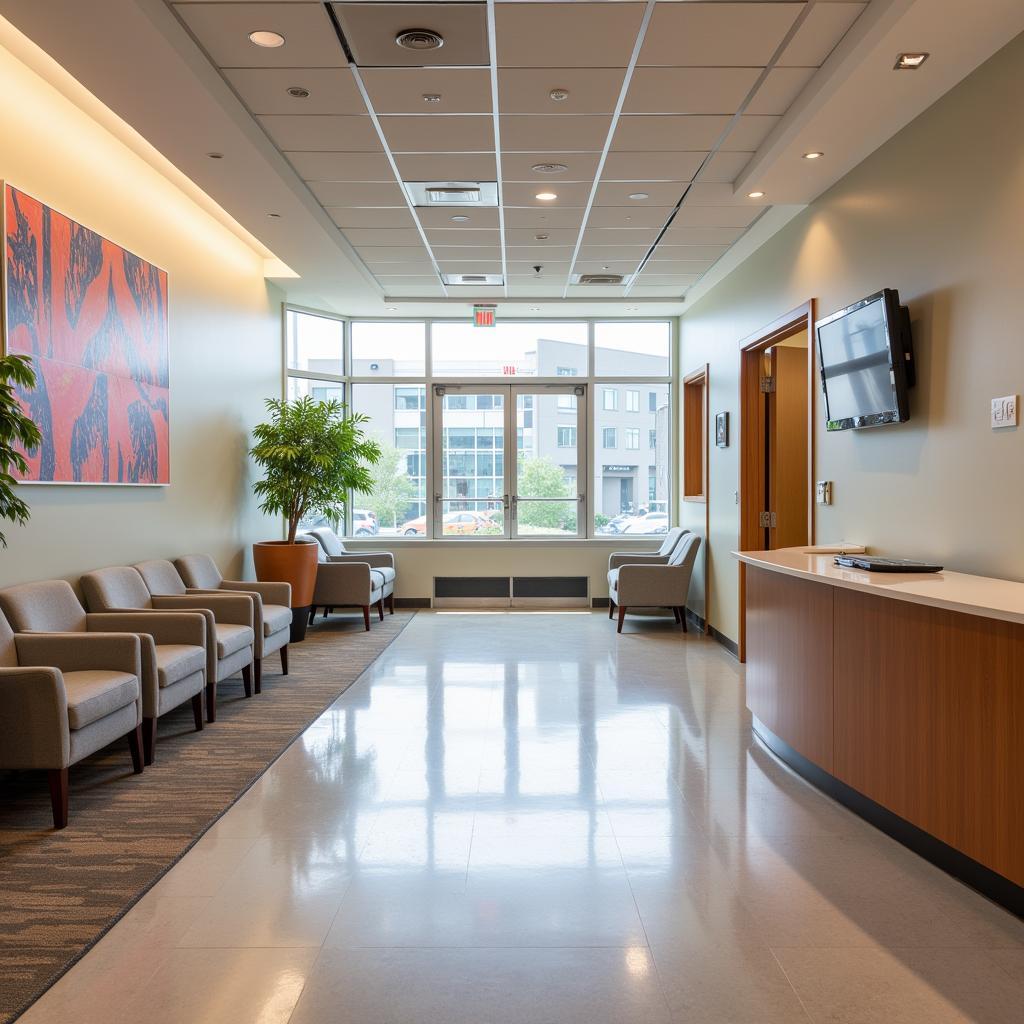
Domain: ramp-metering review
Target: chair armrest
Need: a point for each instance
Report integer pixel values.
(652, 585)
(233, 609)
(165, 627)
(619, 558)
(375, 559)
(77, 652)
(35, 699)
(342, 583)
(271, 593)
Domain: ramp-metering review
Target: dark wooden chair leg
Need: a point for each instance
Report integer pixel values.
(312, 615)
(258, 675)
(682, 619)
(135, 746)
(149, 739)
(211, 702)
(622, 618)
(59, 796)
(366, 617)
(611, 608)
(284, 660)
(247, 679)
(380, 609)
(675, 614)
(391, 604)
(197, 711)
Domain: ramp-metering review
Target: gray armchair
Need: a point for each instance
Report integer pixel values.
(63, 696)
(174, 644)
(659, 557)
(347, 584)
(272, 613)
(383, 561)
(230, 639)
(655, 586)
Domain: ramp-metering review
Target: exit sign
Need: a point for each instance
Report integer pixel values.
(483, 316)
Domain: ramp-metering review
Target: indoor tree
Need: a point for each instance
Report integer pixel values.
(391, 491)
(16, 431)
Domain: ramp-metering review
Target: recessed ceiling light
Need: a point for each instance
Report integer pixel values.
(274, 215)
(639, 195)
(559, 95)
(431, 97)
(909, 61)
(392, 309)
(755, 195)
(298, 92)
(419, 39)
(541, 238)
(460, 218)
(813, 156)
(546, 197)
(268, 40)
(215, 156)
(549, 168)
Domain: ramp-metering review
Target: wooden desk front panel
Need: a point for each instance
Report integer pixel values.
(929, 721)
(789, 660)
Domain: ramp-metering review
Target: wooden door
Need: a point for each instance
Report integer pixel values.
(788, 481)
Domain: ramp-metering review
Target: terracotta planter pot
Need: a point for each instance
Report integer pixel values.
(280, 562)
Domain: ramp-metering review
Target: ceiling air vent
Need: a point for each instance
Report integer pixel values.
(452, 193)
(598, 279)
(419, 39)
(474, 279)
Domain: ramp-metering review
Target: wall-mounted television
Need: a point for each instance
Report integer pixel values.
(866, 357)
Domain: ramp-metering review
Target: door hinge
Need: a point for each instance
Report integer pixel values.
(767, 520)
(767, 385)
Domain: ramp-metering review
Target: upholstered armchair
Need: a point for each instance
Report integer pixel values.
(659, 557)
(383, 561)
(64, 696)
(272, 613)
(346, 585)
(655, 586)
(174, 644)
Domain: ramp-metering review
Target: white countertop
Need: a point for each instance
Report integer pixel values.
(956, 591)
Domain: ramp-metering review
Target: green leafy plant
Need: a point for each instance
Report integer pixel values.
(16, 429)
(541, 478)
(312, 455)
(391, 491)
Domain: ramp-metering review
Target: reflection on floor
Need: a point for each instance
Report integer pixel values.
(524, 818)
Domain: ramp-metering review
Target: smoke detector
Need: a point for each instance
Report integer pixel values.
(419, 39)
(612, 279)
(549, 168)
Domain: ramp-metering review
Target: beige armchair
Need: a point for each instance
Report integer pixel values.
(65, 696)
(230, 640)
(382, 561)
(655, 586)
(659, 557)
(272, 613)
(346, 585)
(174, 647)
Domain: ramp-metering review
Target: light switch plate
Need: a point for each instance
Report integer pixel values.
(1005, 411)
(824, 492)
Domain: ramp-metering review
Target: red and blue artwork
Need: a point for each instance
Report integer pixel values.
(93, 317)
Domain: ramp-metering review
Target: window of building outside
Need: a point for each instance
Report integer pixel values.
(380, 369)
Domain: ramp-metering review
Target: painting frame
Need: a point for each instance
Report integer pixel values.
(162, 471)
(722, 430)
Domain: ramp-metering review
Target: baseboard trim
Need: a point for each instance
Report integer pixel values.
(989, 883)
(412, 602)
(600, 602)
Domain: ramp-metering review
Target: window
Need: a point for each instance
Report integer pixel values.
(314, 344)
(410, 399)
(565, 371)
(320, 390)
(624, 349)
(695, 420)
(610, 399)
(632, 401)
(388, 349)
(566, 437)
(652, 439)
(652, 401)
(610, 439)
(632, 439)
(509, 349)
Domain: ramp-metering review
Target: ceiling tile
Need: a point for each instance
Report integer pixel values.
(541, 253)
(438, 133)
(667, 132)
(401, 90)
(454, 253)
(689, 90)
(570, 194)
(543, 220)
(424, 291)
(337, 133)
(222, 29)
(818, 36)
(421, 268)
(370, 31)
(469, 266)
(685, 244)
(358, 193)
(519, 166)
(603, 253)
(559, 35)
(667, 280)
(716, 34)
(527, 90)
(750, 131)
(670, 266)
(706, 193)
(447, 166)
(384, 236)
(628, 216)
(659, 193)
(452, 236)
(725, 166)
(610, 266)
(528, 236)
(441, 217)
(530, 132)
(619, 236)
(645, 166)
(342, 166)
(371, 217)
(393, 280)
(717, 216)
(779, 89)
(384, 253)
(549, 268)
(265, 90)
(591, 291)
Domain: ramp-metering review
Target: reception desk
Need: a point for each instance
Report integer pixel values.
(901, 695)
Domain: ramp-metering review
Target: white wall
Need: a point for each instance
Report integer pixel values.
(938, 212)
(225, 348)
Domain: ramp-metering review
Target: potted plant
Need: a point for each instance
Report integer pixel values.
(312, 456)
(16, 429)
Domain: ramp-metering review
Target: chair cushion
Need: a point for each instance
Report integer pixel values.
(161, 577)
(199, 571)
(613, 579)
(49, 606)
(93, 695)
(175, 662)
(386, 571)
(329, 540)
(116, 587)
(231, 638)
(275, 618)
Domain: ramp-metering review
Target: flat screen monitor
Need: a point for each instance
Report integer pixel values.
(866, 359)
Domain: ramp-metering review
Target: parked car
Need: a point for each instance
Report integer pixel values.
(455, 524)
(653, 522)
(364, 523)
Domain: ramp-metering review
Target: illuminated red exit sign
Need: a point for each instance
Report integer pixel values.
(483, 316)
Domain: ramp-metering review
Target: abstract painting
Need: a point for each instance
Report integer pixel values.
(93, 317)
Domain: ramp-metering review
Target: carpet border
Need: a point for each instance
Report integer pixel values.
(238, 796)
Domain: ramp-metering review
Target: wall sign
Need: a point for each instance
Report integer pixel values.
(722, 430)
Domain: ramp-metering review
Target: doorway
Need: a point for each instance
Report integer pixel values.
(776, 440)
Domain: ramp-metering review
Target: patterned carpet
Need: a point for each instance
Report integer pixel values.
(60, 891)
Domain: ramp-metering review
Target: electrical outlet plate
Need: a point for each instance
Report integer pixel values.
(1005, 411)
(824, 492)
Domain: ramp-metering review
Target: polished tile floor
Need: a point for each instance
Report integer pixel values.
(525, 818)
